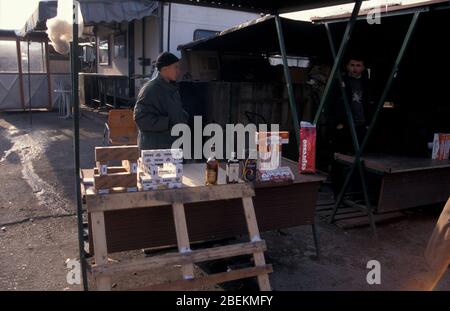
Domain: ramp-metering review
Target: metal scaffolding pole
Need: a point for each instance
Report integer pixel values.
(338, 60)
(288, 78)
(75, 63)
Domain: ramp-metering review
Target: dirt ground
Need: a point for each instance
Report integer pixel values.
(39, 226)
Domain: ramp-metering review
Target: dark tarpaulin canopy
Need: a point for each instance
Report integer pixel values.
(264, 6)
(106, 11)
(260, 36)
(93, 11)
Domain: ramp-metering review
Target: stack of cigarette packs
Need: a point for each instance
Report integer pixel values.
(161, 169)
(281, 174)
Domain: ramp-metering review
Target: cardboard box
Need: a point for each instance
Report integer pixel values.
(307, 161)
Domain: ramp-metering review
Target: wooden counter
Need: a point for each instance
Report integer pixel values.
(406, 181)
(277, 206)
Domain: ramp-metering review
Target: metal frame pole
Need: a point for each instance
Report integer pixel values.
(288, 78)
(76, 142)
(389, 83)
(161, 26)
(338, 60)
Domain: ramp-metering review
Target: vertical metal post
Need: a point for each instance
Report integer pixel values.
(131, 60)
(143, 45)
(288, 78)
(29, 81)
(161, 26)
(76, 142)
(169, 17)
(338, 60)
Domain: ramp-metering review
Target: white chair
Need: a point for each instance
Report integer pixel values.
(63, 101)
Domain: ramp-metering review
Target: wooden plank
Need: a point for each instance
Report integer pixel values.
(405, 190)
(252, 225)
(437, 253)
(184, 246)
(105, 154)
(172, 259)
(130, 166)
(168, 197)
(395, 164)
(217, 278)
(364, 220)
(116, 180)
(100, 248)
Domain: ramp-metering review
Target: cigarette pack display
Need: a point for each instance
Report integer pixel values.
(281, 174)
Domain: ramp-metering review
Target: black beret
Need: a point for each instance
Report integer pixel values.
(166, 59)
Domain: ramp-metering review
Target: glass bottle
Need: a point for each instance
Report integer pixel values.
(212, 168)
(233, 169)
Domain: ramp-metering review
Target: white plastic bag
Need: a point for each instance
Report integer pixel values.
(60, 28)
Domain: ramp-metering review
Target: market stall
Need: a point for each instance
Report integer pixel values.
(411, 115)
(258, 6)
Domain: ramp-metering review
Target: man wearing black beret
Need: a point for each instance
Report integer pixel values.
(159, 107)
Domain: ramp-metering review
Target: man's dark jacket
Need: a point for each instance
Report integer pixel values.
(158, 108)
(367, 101)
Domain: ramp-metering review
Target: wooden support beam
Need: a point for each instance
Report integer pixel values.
(252, 225)
(105, 154)
(172, 259)
(124, 180)
(217, 278)
(101, 251)
(181, 230)
(122, 201)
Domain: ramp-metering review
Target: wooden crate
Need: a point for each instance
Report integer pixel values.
(110, 179)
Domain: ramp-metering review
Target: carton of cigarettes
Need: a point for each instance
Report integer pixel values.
(162, 156)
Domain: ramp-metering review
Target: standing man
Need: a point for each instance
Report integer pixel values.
(358, 94)
(159, 107)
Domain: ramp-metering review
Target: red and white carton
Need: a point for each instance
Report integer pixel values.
(307, 161)
(441, 146)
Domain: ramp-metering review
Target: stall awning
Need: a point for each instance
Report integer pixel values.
(94, 12)
(264, 6)
(260, 36)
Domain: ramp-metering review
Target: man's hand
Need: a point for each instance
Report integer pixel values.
(340, 126)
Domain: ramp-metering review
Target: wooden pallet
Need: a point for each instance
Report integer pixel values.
(111, 179)
(103, 270)
(350, 215)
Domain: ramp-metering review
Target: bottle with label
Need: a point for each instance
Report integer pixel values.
(233, 169)
(212, 168)
(250, 167)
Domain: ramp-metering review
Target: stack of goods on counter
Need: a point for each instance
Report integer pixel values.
(160, 169)
(112, 179)
(269, 146)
